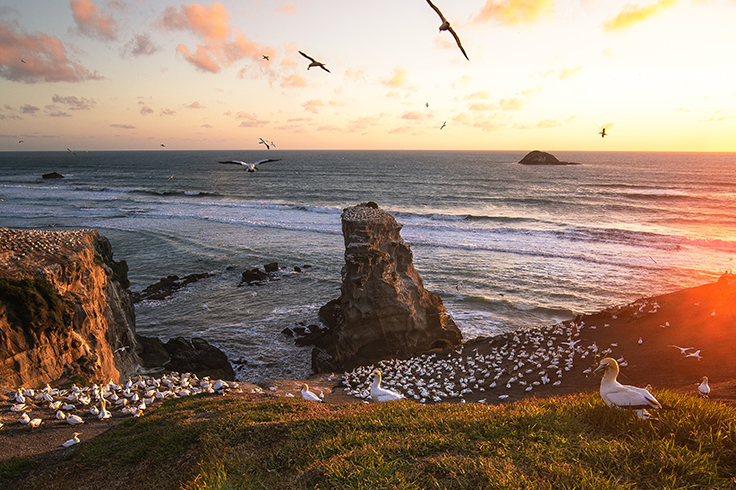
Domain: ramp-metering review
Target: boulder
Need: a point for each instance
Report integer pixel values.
(198, 356)
(384, 311)
(537, 157)
(167, 286)
(254, 275)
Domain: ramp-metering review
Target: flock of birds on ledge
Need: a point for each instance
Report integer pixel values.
(520, 360)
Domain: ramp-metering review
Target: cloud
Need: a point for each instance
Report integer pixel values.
(91, 22)
(546, 123)
(33, 58)
(365, 122)
(59, 114)
(195, 105)
(145, 110)
(208, 126)
(514, 12)
(480, 107)
(511, 104)
(480, 95)
(167, 112)
(140, 45)
(354, 75)
(211, 24)
(313, 105)
(328, 128)
(416, 115)
(75, 103)
(292, 81)
(250, 120)
(29, 109)
(398, 79)
(634, 14)
(287, 8)
(568, 73)
(122, 126)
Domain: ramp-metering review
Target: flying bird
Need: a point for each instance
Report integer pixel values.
(21, 141)
(251, 167)
(314, 62)
(683, 350)
(163, 145)
(22, 60)
(445, 26)
(265, 57)
(603, 133)
(264, 142)
(443, 124)
(70, 151)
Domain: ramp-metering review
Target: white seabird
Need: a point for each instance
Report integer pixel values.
(308, 395)
(445, 26)
(704, 387)
(616, 395)
(314, 62)
(695, 354)
(74, 440)
(264, 142)
(251, 167)
(381, 394)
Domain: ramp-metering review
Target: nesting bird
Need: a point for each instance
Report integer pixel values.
(381, 394)
(308, 395)
(617, 395)
(704, 387)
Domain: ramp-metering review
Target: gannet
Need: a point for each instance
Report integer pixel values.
(264, 142)
(381, 394)
(603, 133)
(265, 57)
(33, 423)
(704, 387)
(314, 62)
(616, 395)
(308, 395)
(73, 419)
(445, 26)
(24, 419)
(74, 440)
(683, 350)
(695, 354)
(251, 167)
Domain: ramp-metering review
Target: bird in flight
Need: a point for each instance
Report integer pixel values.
(314, 62)
(70, 151)
(266, 57)
(163, 145)
(443, 124)
(264, 142)
(603, 133)
(22, 60)
(251, 167)
(445, 26)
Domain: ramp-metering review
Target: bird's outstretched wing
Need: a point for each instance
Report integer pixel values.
(267, 160)
(236, 162)
(457, 40)
(307, 56)
(438, 11)
(324, 68)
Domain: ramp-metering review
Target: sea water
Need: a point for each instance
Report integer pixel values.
(505, 245)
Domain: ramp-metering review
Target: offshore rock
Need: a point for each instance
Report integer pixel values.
(198, 356)
(537, 157)
(65, 310)
(383, 311)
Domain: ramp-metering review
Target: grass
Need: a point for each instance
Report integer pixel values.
(569, 442)
(35, 304)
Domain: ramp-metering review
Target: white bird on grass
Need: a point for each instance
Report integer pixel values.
(617, 395)
(308, 395)
(704, 387)
(445, 26)
(379, 394)
(74, 440)
(251, 167)
(314, 62)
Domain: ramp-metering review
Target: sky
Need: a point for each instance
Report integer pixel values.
(658, 75)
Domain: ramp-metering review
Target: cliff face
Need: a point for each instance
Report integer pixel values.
(384, 310)
(64, 309)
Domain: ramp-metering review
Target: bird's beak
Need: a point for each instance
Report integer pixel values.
(600, 366)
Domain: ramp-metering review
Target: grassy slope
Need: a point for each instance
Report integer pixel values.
(569, 442)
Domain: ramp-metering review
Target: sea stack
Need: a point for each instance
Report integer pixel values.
(537, 157)
(384, 311)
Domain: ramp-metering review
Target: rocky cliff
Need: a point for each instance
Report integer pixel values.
(65, 310)
(384, 311)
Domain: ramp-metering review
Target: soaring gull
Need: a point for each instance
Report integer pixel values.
(314, 62)
(445, 26)
(251, 167)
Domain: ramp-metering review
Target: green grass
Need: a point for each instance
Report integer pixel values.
(567, 443)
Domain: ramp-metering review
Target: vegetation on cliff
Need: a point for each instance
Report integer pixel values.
(562, 442)
(35, 304)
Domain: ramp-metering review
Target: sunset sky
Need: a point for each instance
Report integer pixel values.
(543, 74)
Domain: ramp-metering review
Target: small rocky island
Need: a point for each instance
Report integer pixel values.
(537, 157)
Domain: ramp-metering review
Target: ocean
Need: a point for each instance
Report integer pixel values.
(506, 246)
